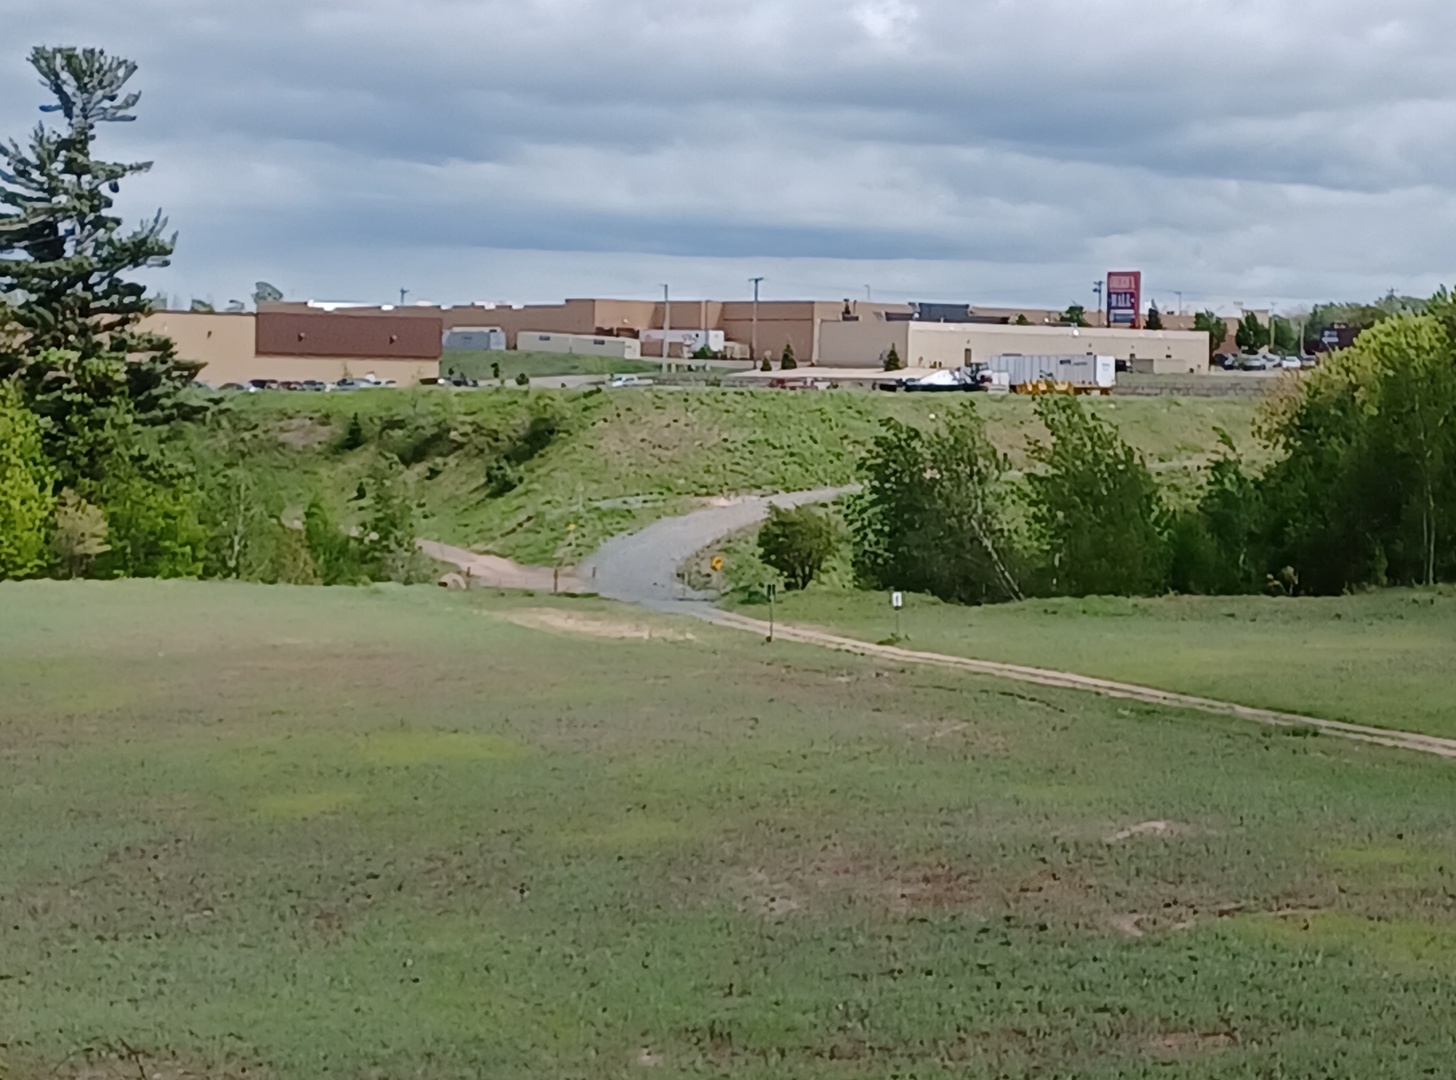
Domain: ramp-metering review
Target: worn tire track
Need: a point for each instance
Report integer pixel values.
(1066, 680)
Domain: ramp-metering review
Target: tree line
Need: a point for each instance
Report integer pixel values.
(1360, 492)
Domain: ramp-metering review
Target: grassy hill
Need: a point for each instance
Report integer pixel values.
(400, 832)
(546, 475)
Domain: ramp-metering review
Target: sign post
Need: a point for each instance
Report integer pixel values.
(1124, 298)
(897, 601)
(772, 591)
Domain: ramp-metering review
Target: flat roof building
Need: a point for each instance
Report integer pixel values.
(865, 344)
(292, 346)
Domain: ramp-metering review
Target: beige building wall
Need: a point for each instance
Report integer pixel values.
(225, 342)
(581, 345)
(952, 345)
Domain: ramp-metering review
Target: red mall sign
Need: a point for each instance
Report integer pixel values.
(1124, 298)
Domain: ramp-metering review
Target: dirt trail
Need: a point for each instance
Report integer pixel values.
(1066, 680)
(641, 568)
(494, 572)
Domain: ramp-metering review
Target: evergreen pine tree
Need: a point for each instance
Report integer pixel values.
(64, 257)
(787, 361)
(893, 361)
(1155, 318)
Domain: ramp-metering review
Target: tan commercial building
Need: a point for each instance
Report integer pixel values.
(775, 324)
(866, 343)
(297, 346)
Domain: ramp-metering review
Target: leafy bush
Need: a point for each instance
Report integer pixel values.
(932, 516)
(80, 534)
(796, 543)
(25, 488)
(1096, 509)
(153, 526)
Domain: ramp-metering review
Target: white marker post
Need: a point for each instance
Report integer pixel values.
(897, 601)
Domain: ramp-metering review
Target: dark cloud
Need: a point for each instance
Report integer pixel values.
(1004, 148)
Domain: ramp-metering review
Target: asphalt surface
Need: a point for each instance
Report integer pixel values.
(641, 567)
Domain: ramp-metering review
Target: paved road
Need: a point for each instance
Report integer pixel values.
(642, 567)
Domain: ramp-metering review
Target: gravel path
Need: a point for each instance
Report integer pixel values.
(641, 567)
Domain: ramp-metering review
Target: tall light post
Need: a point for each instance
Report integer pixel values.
(1097, 292)
(753, 335)
(869, 296)
(1180, 300)
(402, 294)
(666, 324)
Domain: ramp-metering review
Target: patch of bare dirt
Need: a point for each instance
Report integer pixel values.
(839, 878)
(1149, 828)
(121, 1061)
(599, 626)
(1177, 1044)
(304, 433)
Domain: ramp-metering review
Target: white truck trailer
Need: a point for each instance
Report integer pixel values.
(1083, 372)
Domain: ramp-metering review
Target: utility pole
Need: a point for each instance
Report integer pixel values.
(868, 297)
(666, 325)
(1180, 300)
(753, 337)
(402, 294)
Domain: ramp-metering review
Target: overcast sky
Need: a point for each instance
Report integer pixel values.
(979, 150)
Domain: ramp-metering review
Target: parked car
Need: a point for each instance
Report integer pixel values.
(619, 381)
(1253, 363)
(236, 387)
(314, 385)
(1226, 361)
(265, 384)
(1290, 363)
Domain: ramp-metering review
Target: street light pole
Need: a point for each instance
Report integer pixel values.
(666, 325)
(402, 294)
(1180, 300)
(753, 336)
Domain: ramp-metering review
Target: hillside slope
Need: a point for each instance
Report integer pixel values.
(545, 476)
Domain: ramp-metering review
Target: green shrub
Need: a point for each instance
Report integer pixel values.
(154, 528)
(796, 543)
(25, 488)
(1096, 508)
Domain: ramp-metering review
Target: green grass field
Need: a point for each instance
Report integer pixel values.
(622, 459)
(477, 364)
(299, 833)
(1380, 658)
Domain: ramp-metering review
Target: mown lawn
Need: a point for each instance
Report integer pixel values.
(1381, 658)
(379, 832)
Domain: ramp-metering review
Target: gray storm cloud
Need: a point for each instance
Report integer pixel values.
(1006, 150)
